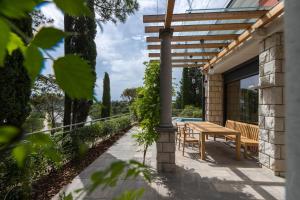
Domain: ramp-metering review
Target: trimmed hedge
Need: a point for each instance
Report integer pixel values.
(70, 144)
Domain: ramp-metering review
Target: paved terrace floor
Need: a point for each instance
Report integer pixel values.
(220, 177)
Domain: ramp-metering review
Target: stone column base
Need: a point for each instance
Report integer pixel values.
(166, 149)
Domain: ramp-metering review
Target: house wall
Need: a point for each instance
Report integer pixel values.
(214, 98)
(271, 104)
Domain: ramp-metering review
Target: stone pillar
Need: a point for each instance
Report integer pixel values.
(271, 104)
(292, 80)
(165, 78)
(214, 98)
(166, 143)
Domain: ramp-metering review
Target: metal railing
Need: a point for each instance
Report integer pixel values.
(72, 127)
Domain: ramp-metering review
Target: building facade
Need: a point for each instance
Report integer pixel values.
(248, 86)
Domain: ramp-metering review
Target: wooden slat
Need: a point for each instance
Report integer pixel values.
(185, 60)
(190, 46)
(169, 15)
(189, 60)
(269, 16)
(206, 16)
(186, 54)
(201, 27)
(196, 38)
(187, 65)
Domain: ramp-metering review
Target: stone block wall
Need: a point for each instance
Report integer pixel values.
(165, 145)
(271, 104)
(214, 98)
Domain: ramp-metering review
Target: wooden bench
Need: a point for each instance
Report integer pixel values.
(249, 135)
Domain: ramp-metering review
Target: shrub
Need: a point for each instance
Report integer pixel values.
(191, 111)
(69, 144)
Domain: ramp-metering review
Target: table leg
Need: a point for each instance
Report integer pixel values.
(238, 146)
(203, 146)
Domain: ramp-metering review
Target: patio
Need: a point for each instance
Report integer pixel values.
(221, 176)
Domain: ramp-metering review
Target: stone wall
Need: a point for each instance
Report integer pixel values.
(165, 145)
(271, 104)
(214, 98)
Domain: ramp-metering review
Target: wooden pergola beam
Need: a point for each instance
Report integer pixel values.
(269, 16)
(186, 60)
(184, 54)
(168, 17)
(229, 15)
(190, 46)
(201, 27)
(187, 65)
(196, 38)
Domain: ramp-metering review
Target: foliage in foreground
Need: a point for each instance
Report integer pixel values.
(146, 107)
(39, 153)
(110, 176)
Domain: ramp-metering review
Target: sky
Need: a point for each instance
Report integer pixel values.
(121, 48)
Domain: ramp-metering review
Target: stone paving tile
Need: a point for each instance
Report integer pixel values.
(221, 177)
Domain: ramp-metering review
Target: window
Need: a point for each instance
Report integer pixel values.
(241, 94)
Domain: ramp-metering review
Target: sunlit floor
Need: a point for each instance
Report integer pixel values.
(219, 177)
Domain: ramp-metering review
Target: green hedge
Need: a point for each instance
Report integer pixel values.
(191, 111)
(70, 144)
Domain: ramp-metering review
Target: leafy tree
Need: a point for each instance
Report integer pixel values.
(129, 94)
(38, 19)
(95, 111)
(15, 83)
(35, 122)
(191, 86)
(106, 100)
(119, 107)
(114, 11)
(147, 107)
(47, 98)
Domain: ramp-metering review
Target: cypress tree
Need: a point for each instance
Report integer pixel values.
(106, 101)
(191, 86)
(15, 84)
(81, 43)
(68, 25)
(185, 88)
(84, 45)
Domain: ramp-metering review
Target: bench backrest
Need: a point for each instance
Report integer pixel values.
(247, 130)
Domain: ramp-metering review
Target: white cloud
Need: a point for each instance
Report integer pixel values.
(121, 48)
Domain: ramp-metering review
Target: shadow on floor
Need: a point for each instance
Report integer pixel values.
(221, 178)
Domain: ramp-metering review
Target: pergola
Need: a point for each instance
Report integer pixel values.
(194, 40)
(202, 39)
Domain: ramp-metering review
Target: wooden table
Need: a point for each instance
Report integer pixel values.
(208, 128)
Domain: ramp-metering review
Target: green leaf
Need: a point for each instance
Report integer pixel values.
(15, 42)
(4, 36)
(69, 197)
(17, 8)
(7, 134)
(53, 155)
(73, 7)
(131, 194)
(20, 153)
(33, 61)
(39, 139)
(74, 76)
(48, 37)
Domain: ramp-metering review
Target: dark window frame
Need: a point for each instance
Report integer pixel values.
(241, 71)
